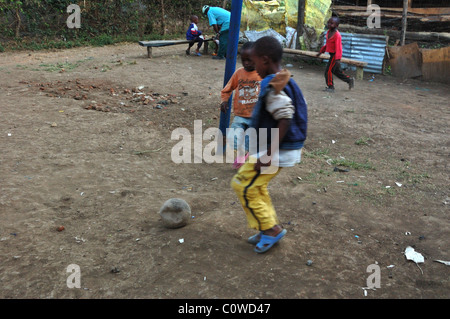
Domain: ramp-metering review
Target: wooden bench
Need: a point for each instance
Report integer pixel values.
(359, 64)
(163, 43)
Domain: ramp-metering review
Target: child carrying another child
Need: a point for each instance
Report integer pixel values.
(245, 84)
(195, 35)
(280, 118)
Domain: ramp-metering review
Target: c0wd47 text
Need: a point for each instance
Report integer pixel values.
(228, 308)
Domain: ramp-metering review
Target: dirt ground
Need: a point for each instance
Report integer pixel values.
(84, 147)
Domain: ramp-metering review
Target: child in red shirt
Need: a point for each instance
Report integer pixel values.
(334, 47)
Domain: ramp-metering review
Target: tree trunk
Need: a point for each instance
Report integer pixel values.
(163, 18)
(19, 23)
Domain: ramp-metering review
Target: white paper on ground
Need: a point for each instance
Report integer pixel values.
(413, 255)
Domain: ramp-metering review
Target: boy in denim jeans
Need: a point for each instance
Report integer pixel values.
(245, 85)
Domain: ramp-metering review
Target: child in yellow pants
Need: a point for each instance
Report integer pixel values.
(281, 115)
(251, 186)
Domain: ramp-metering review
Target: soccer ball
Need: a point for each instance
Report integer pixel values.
(175, 213)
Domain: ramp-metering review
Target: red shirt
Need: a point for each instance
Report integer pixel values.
(333, 45)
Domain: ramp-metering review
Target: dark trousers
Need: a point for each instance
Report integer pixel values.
(223, 43)
(334, 67)
(196, 40)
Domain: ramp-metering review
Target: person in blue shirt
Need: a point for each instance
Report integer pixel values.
(219, 19)
(195, 35)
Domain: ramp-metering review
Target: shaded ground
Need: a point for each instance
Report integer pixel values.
(83, 148)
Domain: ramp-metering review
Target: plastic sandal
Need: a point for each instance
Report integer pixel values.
(255, 238)
(198, 54)
(267, 242)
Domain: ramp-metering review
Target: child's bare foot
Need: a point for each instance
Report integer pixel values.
(274, 231)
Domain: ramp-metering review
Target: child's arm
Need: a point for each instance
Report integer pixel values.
(227, 91)
(280, 106)
(322, 50)
(338, 46)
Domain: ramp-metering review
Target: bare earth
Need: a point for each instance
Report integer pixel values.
(81, 148)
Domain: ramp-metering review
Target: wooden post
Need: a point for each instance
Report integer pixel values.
(369, 2)
(300, 20)
(149, 52)
(404, 21)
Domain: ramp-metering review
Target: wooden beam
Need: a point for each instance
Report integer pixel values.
(414, 36)
(324, 57)
(418, 11)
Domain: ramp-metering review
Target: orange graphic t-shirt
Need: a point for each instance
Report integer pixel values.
(246, 90)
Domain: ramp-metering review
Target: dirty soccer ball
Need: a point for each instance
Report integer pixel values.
(175, 213)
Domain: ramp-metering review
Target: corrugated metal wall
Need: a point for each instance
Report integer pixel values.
(364, 47)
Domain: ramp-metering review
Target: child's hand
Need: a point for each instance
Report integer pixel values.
(259, 164)
(224, 107)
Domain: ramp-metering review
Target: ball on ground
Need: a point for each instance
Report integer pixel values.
(175, 213)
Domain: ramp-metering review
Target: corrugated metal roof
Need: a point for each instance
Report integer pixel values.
(364, 47)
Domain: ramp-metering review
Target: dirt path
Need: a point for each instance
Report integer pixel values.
(83, 149)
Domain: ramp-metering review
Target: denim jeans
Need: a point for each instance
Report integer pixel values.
(238, 142)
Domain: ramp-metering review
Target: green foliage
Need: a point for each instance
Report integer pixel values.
(39, 24)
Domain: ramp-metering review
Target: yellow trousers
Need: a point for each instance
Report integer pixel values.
(251, 188)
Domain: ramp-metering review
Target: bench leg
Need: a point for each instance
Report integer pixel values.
(205, 47)
(149, 52)
(359, 72)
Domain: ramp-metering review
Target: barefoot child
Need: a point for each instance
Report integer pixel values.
(245, 84)
(195, 35)
(281, 110)
(333, 46)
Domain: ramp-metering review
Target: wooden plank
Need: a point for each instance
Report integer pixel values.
(423, 18)
(414, 36)
(162, 43)
(436, 65)
(406, 61)
(324, 56)
(419, 11)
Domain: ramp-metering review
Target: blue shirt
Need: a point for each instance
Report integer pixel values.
(219, 16)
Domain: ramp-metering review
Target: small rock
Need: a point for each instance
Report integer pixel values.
(309, 263)
(115, 270)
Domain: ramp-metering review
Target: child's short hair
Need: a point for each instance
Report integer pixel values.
(247, 46)
(270, 47)
(336, 19)
(192, 17)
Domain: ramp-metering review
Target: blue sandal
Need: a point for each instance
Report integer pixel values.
(267, 242)
(255, 238)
